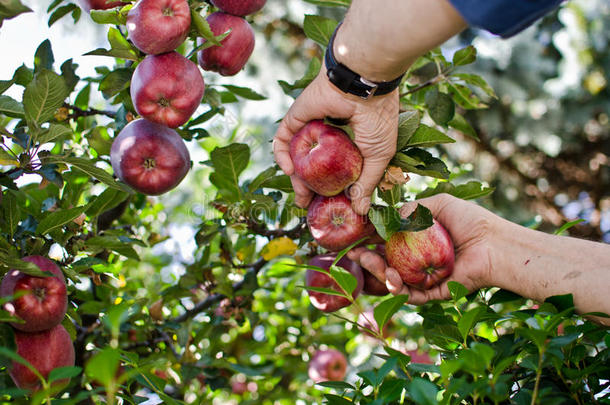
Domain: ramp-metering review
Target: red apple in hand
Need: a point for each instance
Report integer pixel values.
(89, 5)
(423, 259)
(313, 278)
(167, 89)
(46, 350)
(149, 157)
(325, 158)
(45, 301)
(239, 7)
(334, 224)
(327, 365)
(229, 58)
(158, 26)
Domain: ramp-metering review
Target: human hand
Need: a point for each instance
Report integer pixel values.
(375, 125)
(470, 227)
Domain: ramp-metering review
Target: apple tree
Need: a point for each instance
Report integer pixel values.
(198, 295)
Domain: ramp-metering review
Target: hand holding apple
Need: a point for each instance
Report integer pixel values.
(325, 158)
(45, 301)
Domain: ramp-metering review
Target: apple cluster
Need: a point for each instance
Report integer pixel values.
(41, 304)
(166, 87)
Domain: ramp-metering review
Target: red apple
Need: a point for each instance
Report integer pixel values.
(149, 157)
(325, 158)
(235, 50)
(239, 7)
(88, 5)
(46, 350)
(423, 259)
(313, 278)
(421, 358)
(334, 224)
(45, 301)
(158, 26)
(167, 89)
(239, 387)
(327, 365)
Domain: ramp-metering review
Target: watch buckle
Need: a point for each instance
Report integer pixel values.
(373, 88)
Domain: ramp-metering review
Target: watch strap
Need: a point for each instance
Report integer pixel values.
(351, 82)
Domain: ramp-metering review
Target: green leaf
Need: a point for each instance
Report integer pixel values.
(244, 92)
(465, 97)
(337, 385)
(59, 218)
(384, 311)
(312, 71)
(330, 3)
(23, 266)
(408, 122)
(344, 278)
(115, 81)
(11, 107)
(61, 12)
(107, 200)
(10, 9)
(113, 16)
(420, 219)
(421, 162)
(386, 220)
(52, 133)
(103, 366)
(11, 212)
(68, 73)
(332, 399)
(113, 244)
(43, 96)
(459, 122)
(468, 191)
(468, 320)
(477, 81)
(440, 106)
(5, 85)
(43, 58)
(502, 296)
(457, 290)
(319, 29)
(86, 166)
(323, 290)
(567, 226)
(203, 28)
(561, 302)
(423, 392)
(426, 136)
(61, 373)
(465, 56)
(261, 178)
(394, 195)
(228, 163)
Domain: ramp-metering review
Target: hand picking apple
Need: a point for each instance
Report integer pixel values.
(493, 252)
(313, 278)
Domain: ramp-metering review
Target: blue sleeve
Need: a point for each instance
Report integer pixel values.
(503, 17)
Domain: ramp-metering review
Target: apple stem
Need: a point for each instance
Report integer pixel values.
(149, 163)
(168, 12)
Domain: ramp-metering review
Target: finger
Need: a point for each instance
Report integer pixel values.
(361, 191)
(394, 282)
(374, 264)
(281, 149)
(354, 254)
(302, 193)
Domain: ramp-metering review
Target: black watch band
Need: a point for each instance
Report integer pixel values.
(351, 82)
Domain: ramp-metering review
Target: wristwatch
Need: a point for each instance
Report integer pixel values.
(351, 82)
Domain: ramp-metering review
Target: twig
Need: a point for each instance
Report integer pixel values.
(261, 229)
(79, 112)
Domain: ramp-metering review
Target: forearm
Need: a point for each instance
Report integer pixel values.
(538, 265)
(380, 39)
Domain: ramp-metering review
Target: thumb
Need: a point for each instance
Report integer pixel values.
(360, 192)
(436, 204)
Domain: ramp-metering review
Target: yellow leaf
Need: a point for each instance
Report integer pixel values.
(277, 247)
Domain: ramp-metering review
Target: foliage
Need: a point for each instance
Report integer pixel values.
(149, 323)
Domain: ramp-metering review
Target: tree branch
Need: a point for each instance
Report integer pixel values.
(79, 112)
